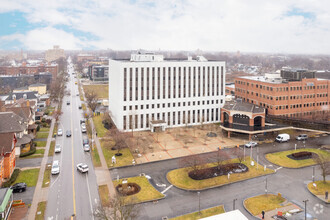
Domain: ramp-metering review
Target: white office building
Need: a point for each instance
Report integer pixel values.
(149, 91)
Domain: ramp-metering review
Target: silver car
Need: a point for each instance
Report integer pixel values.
(57, 148)
(251, 144)
(55, 167)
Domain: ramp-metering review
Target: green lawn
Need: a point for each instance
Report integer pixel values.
(46, 180)
(321, 188)
(41, 208)
(204, 213)
(125, 159)
(104, 195)
(263, 202)
(42, 135)
(147, 192)
(96, 158)
(30, 177)
(38, 153)
(51, 149)
(281, 159)
(44, 129)
(40, 143)
(102, 91)
(181, 179)
(100, 129)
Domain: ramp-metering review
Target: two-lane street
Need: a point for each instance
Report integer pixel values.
(71, 192)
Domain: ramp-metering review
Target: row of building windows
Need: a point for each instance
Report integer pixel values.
(174, 104)
(175, 118)
(179, 82)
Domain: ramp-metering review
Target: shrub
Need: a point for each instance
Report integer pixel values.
(12, 178)
(32, 151)
(302, 154)
(43, 120)
(38, 128)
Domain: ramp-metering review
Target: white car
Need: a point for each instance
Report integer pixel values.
(86, 147)
(55, 167)
(83, 168)
(83, 128)
(59, 132)
(57, 148)
(251, 144)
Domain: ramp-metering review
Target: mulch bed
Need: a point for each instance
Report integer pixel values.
(211, 172)
(132, 188)
(303, 155)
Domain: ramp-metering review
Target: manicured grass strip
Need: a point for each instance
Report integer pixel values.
(44, 129)
(55, 129)
(320, 189)
(180, 178)
(41, 208)
(42, 135)
(123, 160)
(204, 213)
(281, 159)
(36, 154)
(264, 202)
(30, 177)
(104, 195)
(100, 129)
(96, 158)
(147, 192)
(46, 180)
(83, 106)
(40, 143)
(102, 91)
(51, 149)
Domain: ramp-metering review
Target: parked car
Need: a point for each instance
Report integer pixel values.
(302, 137)
(251, 144)
(85, 141)
(83, 168)
(57, 148)
(86, 148)
(68, 133)
(18, 187)
(59, 132)
(80, 107)
(68, 102)
(282, 138)
(55, 167)
(82, 121)
(83, 129)
(77, 94)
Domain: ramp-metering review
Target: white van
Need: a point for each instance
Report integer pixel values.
(282, 138)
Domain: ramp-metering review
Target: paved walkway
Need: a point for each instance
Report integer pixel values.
(41, 194)
(269, 214)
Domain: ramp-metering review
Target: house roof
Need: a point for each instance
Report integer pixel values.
(6, 143)
(239, 105)
(24, 112)
(10, 122)
(20, 95)
(37, 84)
(27, 138)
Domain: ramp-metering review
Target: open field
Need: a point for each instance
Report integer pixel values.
(101, 90)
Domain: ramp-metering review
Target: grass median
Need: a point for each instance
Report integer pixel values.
(47, 174)
(181, 179)
(266, 202)
(100, 129)
(147, 192)
(281, 158)
(51, 149)
(41, 209)
(320, 189)
(104, 195)
(96, 157)
(204, 213)
(30, 177)
(123, 160)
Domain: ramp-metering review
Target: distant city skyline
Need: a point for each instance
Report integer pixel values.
(248, 26)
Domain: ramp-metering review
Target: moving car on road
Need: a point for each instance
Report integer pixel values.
(251, 144)
(55, 167)
(57, 148)
(59, 132)
(302, 137)
(83, 168)
(68, 133)
(18, 187)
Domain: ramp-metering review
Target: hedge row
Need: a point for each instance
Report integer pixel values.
(12, 178)
(32, 151)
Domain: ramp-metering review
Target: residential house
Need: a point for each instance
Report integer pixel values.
(7, 148)
(38, 87)
(13, 97)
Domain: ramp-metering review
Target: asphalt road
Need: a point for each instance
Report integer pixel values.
(290, 182)
(72, 192)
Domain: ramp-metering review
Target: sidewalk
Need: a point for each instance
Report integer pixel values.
(269, 214)
(41, 194)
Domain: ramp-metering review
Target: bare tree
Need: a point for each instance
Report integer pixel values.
(119, 138)
(238, 154)
(120, 209)
(220, 157)
(194, 162)
(56, 114)
(91, 98)
(324, 164)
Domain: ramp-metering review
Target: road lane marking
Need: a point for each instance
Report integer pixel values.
(89, 195)
(164, 191)
(278, 169)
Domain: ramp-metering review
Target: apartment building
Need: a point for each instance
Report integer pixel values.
(98, 73)
(148, 91)
(54, 54)
(28, 69)
(300, 98)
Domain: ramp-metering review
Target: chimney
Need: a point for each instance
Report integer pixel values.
(28, 103)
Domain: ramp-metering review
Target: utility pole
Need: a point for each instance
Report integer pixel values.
(266, 187)
(199, 202)
(313, 176)
(234, 204)
(305, 201)
(257, 156)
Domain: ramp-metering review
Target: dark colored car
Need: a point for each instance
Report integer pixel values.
(68, 133)
(80, 107)
(85, 141)
(18, 187)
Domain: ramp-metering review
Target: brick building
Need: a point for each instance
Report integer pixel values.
(304, 98)
(26, 69)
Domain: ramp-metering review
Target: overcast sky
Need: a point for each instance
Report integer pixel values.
(287, 26)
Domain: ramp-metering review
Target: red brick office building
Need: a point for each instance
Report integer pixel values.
(26, 69)
(301, 97)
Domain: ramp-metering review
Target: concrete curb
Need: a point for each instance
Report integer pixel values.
(212, 187)
(315, 194)
(201, 210)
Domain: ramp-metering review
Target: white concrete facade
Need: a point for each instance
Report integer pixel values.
(179, 92)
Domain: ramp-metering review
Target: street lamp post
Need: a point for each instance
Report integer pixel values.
(266, 190)
(199, 202)
(313, 176)
(305, 201)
